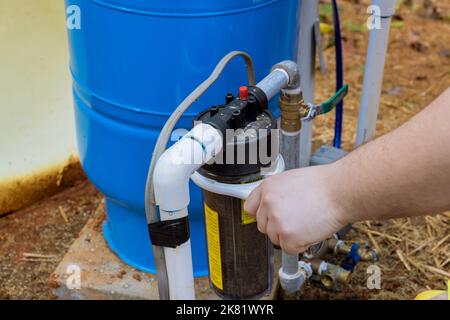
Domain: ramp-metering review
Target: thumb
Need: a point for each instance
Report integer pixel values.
(251, 205)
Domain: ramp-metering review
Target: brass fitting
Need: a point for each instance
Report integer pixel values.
(334, 275)
(342, 247)
(321, 249)
(368, 255)
(291, 105)
(329, 273)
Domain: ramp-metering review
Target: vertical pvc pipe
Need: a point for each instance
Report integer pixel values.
(289, 148)
(381, 14)
(171, 186)
(308, 12)
(180, 272)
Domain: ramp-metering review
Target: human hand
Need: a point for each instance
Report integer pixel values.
(298, 208)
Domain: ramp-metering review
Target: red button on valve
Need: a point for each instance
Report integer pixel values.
(243, 93)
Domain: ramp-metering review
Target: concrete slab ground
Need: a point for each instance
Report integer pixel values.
(103, 276)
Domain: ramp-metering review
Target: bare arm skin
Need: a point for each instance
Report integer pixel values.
(403, 173)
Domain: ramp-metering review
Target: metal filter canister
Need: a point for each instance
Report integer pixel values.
(240, 258)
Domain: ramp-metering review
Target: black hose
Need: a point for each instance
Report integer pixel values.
(339, 76)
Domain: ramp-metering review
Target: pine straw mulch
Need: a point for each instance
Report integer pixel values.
(415, 253)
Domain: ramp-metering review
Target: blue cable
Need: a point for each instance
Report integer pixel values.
(339, 75)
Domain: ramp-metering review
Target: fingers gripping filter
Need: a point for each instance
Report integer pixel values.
(240, 257)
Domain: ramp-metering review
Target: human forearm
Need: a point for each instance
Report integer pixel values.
(404, 173)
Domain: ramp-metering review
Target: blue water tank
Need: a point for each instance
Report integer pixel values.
(133, 62)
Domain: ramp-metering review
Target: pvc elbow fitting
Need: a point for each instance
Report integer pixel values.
(176, 165)
(293, 283)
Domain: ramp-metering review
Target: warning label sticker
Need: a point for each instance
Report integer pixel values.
(245, 217)
(214, 253)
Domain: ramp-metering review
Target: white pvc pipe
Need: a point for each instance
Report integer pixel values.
(289, 272)
(180, 272)
(308, 13)
(274, 82)
(176, 165)
(382, 11)
(290, 149)
(180, 275)
(171, 185)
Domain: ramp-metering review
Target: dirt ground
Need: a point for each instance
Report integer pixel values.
(35, 239)
(414, 252)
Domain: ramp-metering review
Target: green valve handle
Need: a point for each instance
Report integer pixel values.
(316, 109)
(329, 105)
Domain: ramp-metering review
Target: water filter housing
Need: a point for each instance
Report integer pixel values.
(240, 257)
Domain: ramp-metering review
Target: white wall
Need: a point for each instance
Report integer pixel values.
(37, 134)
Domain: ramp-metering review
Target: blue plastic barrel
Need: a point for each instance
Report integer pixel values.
(133, 62)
